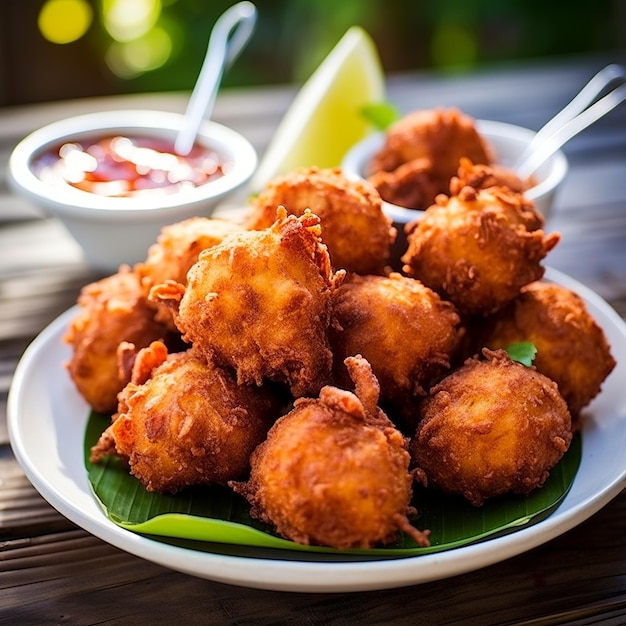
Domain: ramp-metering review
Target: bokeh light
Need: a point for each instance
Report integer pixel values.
(454, 46)
(140, 42)
(127, 20)
(131, 58)
(133, 46)
(64, 21)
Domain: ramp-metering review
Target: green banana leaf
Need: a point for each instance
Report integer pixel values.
(219, 516)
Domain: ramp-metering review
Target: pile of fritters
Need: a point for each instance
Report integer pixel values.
(285, 358)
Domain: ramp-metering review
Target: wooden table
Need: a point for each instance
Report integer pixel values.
(52, 572)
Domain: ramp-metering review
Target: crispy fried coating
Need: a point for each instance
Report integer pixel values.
(410, 185)
(477, 248)
(188, 423)
(176, 249)
(437, 138)
(259, 302)
(354, 228)
(111, 311)
(334, 471)
(481, 176)
(406, 332)
(491, 427)
(572, 349)
(441, 135)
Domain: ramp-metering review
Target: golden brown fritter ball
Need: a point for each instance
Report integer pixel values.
(572, 349)
(440, 136)
(477, 248)
(404, 329)
(188, 423)
(110, 311)
(259, 302)
(354, 228)
(491, 427)
(334, 471)
(176, 250)
(178, 245)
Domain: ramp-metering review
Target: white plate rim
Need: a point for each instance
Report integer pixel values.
(70, 494)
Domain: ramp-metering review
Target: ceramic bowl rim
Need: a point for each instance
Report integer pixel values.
(354, 160)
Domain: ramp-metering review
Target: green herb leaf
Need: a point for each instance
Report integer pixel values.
(380, 115)
(221, 517)
(524, 352)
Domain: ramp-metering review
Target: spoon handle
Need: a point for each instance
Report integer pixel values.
(238, 24)
(537, 151)
(573, 127)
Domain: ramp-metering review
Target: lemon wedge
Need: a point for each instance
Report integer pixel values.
(324, 119)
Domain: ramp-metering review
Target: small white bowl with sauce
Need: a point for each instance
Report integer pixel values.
(118, 181)
(508, 142)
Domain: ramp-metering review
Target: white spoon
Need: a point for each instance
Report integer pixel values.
(222, 50)
(575, 117)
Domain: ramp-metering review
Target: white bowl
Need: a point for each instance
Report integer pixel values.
(116, 230)
(508, 142)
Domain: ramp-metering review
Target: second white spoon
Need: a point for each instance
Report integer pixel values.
(575, 117)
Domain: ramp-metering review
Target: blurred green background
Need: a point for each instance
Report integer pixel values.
(56, 49)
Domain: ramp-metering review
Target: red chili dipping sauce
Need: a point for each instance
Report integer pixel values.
(128, 166)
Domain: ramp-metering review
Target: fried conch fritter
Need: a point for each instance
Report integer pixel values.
(111, 311)
(421, 153)
(183, 421)
(406, 332)
(571, 348)
(176, 249)
(478, 247)
(178, 246)
(334, 471)
(259, 302)
(354, 228)
(491, 427)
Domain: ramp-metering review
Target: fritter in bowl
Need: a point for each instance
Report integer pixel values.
(422, 150)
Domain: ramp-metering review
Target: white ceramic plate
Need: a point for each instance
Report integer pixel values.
(47, 418)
